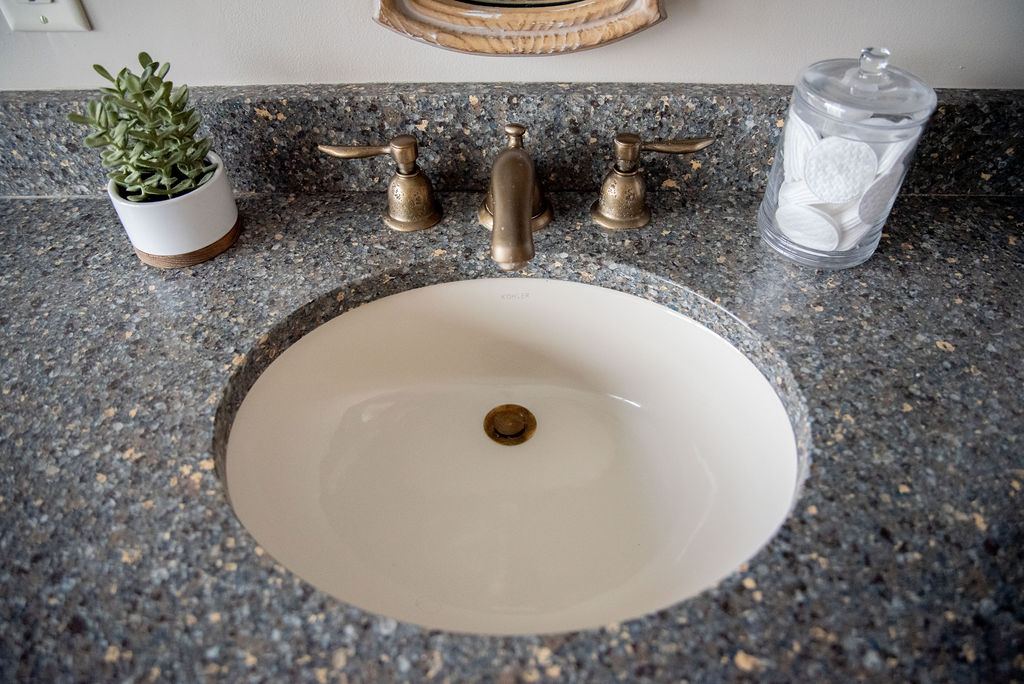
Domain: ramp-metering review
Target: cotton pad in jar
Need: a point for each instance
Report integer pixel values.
(851, 128)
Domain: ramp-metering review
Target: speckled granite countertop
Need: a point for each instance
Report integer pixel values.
(120, 558)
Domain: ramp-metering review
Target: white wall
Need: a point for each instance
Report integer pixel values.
(948, 43)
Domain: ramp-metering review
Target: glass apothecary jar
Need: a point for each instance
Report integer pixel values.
(850, 132)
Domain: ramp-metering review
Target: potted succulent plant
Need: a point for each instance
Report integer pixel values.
(169, 190)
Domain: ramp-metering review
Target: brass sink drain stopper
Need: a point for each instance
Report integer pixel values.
(510, 424)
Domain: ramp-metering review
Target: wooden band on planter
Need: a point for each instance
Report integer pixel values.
(193, 258)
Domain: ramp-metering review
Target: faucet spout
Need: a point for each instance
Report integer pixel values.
(512, 181)
(515, 207)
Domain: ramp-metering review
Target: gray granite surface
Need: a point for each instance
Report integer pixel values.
(268, 135)
(121, 560)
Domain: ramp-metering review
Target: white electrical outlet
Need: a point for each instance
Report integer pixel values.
(45, 15)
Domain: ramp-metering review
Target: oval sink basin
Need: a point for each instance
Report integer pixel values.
(630, 459)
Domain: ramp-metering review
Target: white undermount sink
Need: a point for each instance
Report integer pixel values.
(661, 457)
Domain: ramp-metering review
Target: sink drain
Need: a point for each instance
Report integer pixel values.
(510, 424)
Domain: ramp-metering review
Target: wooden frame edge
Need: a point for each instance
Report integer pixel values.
(519, 30)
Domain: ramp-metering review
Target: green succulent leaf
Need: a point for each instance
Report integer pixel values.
(179, 97)
(182, 186)
(133, 83)
(101, 139)
(75, 117)
(113, 158)
(103, 72)
(147, 137)
(144, 59)
(148, 164)
(159, 95)
(120, 133)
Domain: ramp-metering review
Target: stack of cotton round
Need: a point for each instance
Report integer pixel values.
(877, 200)
(808, 226)
(838, 170)
(891, 155)
(796, 192)
(798, 140)
(851, 228)
(851, 181)
(851, 128)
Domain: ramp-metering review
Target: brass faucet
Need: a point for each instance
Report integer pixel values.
(622, 203)
(412, 204)
(515, 207)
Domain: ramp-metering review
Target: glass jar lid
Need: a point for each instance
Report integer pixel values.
(855, 90)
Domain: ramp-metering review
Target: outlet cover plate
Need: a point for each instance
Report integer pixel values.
(43, 15)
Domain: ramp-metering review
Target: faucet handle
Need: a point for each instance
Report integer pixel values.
(629, 145)
(622, 203)
(402, 148)
(412, 204)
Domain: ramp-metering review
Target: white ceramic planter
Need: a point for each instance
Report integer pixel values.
(184, 230)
